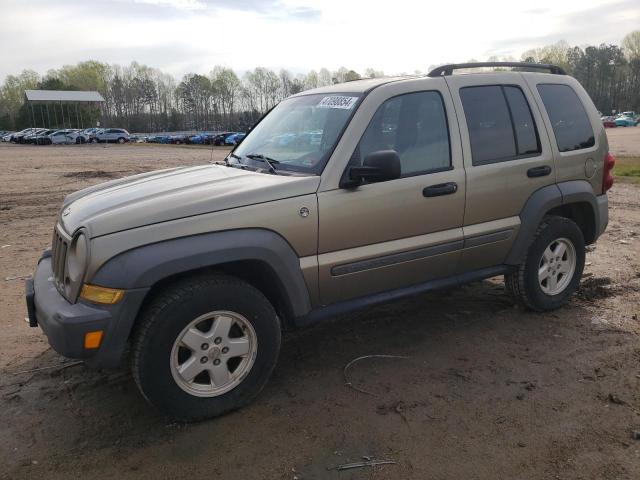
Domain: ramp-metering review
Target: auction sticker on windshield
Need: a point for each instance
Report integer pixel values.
(338, 101)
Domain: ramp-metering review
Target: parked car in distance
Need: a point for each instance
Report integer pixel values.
(17, 137)
(66, 137)
(629, 113)
(178, 139)
(5, 135)
(158, 139)
(220, 138)
(89, 134)
(234, 138)
(43, 138)
(35, 138)
(609, 122)
(201, 138)
(193, 274)
(29, 138)
(113, 135)
(624, 121)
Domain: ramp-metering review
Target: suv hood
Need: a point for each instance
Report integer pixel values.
(166, 195)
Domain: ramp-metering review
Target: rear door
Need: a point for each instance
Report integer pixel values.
(580, 140)
(507, 157)
(387, 235)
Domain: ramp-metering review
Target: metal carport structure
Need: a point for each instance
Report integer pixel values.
(60, 98)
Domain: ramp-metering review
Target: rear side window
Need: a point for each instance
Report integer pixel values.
(500, 124)
(568, 117)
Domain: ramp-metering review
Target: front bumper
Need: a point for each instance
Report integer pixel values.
(65, 324)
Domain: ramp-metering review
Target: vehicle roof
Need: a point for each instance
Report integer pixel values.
(356, 86)
(361, 86)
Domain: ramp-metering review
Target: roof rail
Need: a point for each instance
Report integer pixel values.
(448, 69)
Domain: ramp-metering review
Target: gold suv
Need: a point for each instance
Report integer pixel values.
(340, 198)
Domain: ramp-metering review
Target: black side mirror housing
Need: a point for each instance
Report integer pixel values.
(378, 166)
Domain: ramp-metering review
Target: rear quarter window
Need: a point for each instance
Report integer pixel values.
(568, 117)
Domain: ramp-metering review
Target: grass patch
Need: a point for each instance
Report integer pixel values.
(627, 169)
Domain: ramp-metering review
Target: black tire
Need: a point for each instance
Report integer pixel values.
(164, 318)
(523, 284)
(121, 140)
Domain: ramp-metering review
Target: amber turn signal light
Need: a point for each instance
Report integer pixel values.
(92, 339)
(96, 294)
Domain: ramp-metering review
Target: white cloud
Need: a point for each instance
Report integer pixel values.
(194, 35)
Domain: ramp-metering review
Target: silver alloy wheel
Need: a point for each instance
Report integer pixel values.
(213, 353)
(557, 266)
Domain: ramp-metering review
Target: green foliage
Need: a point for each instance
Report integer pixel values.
(609, 73)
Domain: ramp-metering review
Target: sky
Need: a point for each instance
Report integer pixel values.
(397, 36)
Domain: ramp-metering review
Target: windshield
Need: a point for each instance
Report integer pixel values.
(299, 133)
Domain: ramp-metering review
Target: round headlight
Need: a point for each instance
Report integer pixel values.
(77, 258)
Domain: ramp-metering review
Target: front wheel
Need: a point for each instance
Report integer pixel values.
(205, 346)
(552, 269)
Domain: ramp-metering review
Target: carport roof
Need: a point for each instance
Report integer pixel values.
(62, 96)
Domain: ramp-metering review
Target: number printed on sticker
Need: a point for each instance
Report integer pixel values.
(337, 101)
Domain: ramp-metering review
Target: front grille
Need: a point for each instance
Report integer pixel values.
(59, 248)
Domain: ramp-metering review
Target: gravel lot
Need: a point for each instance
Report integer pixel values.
(487, 391)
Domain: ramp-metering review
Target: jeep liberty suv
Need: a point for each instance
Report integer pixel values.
(340, 198)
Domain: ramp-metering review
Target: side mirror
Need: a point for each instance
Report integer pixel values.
(377, 167)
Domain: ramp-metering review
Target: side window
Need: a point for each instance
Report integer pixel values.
(568, 117)
(500, 124)
(527, 141)
(415, 126)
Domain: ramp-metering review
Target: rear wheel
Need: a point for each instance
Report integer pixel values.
(552, 269)
(121, 140)
(205, 346)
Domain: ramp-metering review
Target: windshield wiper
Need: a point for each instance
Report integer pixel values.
(233, 165)
(269, 161)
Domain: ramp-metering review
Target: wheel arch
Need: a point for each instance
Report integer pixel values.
(260, 257)
(573, 199)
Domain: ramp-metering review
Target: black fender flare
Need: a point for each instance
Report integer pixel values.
(144, 266)
(540, 203)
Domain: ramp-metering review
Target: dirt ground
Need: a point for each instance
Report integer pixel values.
(624, 141)
(487, 391)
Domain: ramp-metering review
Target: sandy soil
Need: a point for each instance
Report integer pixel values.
(488, 391)
(624, 141)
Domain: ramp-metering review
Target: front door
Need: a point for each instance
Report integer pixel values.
(392, 234)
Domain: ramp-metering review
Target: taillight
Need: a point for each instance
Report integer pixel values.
(607, 174)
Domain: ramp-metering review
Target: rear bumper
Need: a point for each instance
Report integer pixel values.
(65, 324)
(603, 214)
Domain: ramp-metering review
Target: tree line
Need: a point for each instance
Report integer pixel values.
(144, 99)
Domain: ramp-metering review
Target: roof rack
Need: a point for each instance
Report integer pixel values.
(448, 69)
